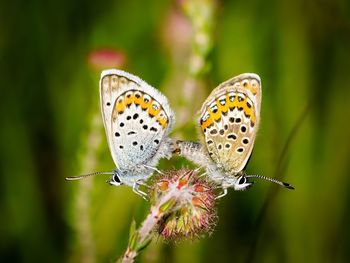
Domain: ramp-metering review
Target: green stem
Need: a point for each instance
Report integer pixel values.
(142, 237)
(83, 197)
(201, 14)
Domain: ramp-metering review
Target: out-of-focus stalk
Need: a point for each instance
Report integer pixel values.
(201, 14)
(98, 60)
(188, 35)
(83, 196)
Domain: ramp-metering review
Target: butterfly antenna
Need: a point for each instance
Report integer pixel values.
(72, 178)
(286, 185)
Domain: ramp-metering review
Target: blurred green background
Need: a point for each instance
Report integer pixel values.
(50, 61)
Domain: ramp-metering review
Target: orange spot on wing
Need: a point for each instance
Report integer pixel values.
(252, 89)
(145, 105)
(223, 108)
(207, 123)
(212, 117)
(162, 121)
(128, 99)
(137, 100)
(120, 106)
(232, 104)
(215, 116)
(152, 111)
(248, 111)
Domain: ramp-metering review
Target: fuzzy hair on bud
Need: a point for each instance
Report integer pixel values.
(192, 211)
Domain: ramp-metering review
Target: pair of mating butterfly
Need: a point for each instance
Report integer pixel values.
(137, 119)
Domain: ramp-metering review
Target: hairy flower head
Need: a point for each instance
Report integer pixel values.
(187, 202)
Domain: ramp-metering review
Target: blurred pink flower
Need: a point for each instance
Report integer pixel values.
(176, 32)
(106, 58)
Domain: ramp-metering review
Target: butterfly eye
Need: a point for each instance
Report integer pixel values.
(242, 180)
(116, 179)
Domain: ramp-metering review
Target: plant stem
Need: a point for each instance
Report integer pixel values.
(145, 232)
(201, 14)
(83, 197)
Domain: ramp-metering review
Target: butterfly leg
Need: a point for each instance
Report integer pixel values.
(137, 190)
(154, 169)
(198, 169)
(142, 183)
(202, 174)
(224, 192)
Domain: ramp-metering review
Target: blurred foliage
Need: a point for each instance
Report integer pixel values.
(50, 97)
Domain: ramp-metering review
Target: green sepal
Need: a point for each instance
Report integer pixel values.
(167, 205)
(153, 197)
(143, 245)
(132, 230)
(133, 240)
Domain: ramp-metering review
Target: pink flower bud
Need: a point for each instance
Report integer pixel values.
(106, 58)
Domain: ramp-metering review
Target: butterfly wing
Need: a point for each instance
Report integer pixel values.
(136, 116)
(229, 121)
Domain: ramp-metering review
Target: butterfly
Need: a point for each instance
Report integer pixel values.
(228, 123)
(137, 119)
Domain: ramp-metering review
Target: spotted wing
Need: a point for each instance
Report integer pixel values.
(229, 120)
(136, 116)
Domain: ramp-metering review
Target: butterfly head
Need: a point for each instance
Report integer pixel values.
(239, 183)
(242, 183)
(115, 179)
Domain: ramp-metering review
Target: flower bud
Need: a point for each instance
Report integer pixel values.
(106, 58)
(192, 212)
